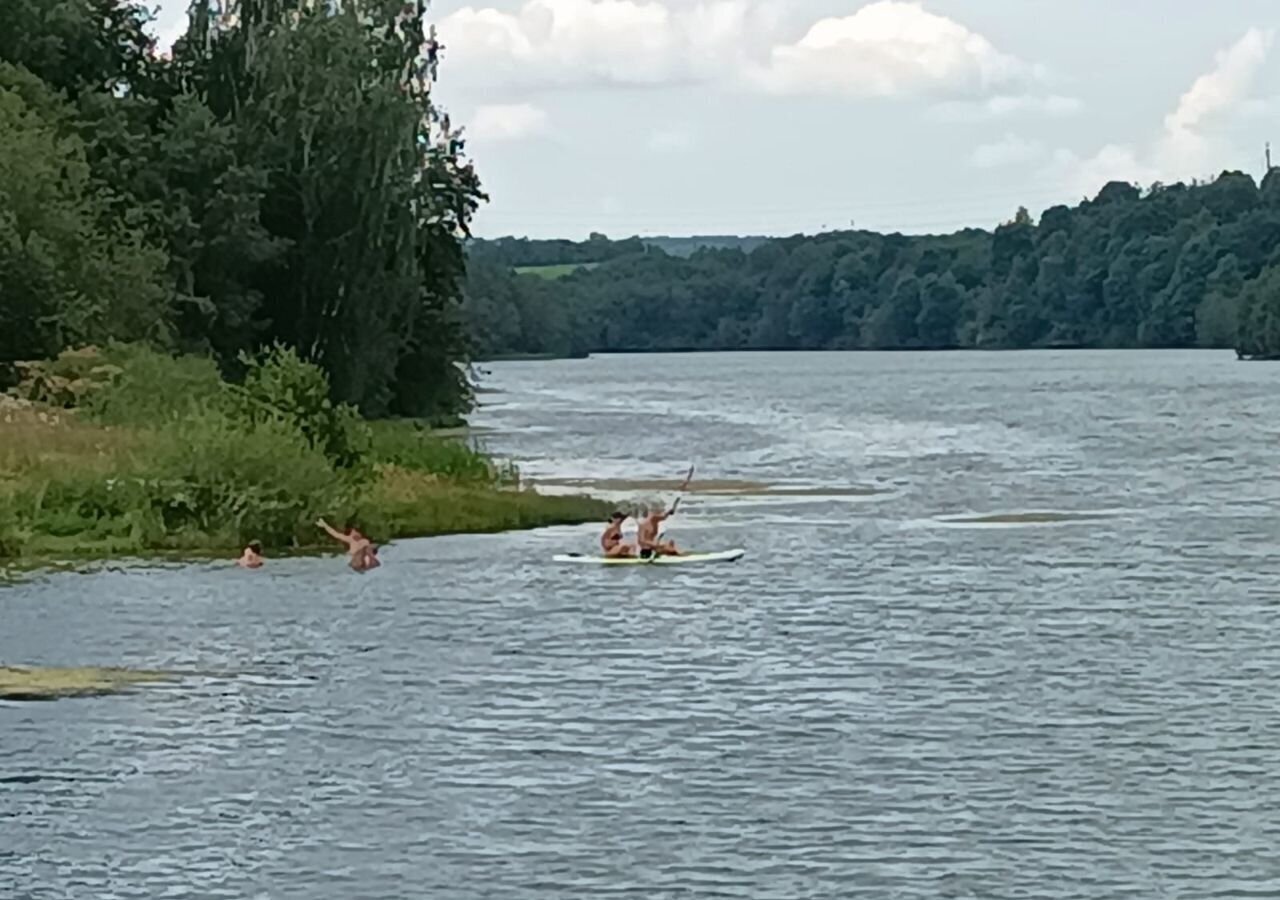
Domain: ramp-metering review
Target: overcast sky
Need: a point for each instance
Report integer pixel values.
(784, 116)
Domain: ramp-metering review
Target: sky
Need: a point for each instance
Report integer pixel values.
(779, 117)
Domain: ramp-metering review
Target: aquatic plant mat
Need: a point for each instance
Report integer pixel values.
(40, 683)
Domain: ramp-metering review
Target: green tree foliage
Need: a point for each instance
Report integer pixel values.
(284, 178)
(77, 46)
(1172, 266)
(65, 278)
(527, 252)
(280, 389)
(1259, 316)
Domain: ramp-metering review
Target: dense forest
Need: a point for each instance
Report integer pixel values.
(522, 252)
(281, 177)
(1171, 266)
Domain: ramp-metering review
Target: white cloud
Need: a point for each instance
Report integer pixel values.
(1010, 150)
(566, 42)
(890, 48)
(1226, 85)
(507, 122)
(885, 48)
(1190, 141)
(1114, 162)
(1185, 146)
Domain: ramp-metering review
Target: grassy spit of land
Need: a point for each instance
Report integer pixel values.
(127, 452)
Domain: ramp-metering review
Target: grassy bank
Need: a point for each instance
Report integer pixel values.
(126, 452)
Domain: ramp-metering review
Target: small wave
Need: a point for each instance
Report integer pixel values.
(724, 486)
(1040, 517)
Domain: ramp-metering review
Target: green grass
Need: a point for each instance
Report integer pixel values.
(552, 273)
(201, 476)
(405, 503)
(70, 489)
(413, 445)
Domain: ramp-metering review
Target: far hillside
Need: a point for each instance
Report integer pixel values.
(557, 258)
(687, 246)
(554, 257)
(1177, 265)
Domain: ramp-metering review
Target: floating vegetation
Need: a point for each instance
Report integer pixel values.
(40, 683)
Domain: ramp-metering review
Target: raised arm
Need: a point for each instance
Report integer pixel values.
(334, 533)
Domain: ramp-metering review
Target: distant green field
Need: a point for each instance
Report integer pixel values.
(554, 272)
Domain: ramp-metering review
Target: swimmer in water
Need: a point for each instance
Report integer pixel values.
(362, 552)
(251, 558)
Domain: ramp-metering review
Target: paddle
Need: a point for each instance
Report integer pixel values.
(684, 486)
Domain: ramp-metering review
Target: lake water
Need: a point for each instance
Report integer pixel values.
(909, 687)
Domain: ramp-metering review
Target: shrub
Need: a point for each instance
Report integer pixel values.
(280, 387)
(65, 381)
(151, 389)
(267, 483)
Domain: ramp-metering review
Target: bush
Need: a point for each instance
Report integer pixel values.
(64, 382)
(268, 483)
(279, 387)
(203, 482)
(151, 389)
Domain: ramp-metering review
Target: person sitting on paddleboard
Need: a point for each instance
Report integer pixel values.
(363, 553)
(611, 541)
(647, 533)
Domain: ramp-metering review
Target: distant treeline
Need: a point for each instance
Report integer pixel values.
(1170, 266)
(524, 253)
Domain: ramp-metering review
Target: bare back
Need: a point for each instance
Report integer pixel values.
(612, 536)
(647, 530)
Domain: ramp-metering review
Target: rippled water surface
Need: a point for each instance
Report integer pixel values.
(1037, 658)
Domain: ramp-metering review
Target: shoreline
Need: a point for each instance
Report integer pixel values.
(514, 510)
(206, 469)
(689, 351)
